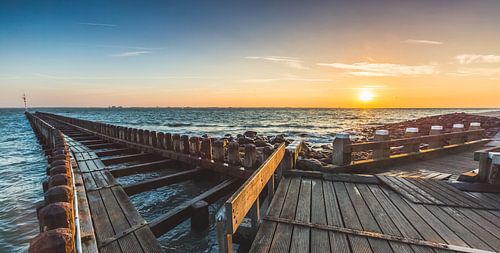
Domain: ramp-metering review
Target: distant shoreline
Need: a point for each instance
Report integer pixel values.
(493, 109)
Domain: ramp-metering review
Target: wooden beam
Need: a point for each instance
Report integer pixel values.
(140, 168)
(238, 205)
(113, 152)
(92, 142)
(126, 158)
(103, 146)
(158, 182)
(174, 217)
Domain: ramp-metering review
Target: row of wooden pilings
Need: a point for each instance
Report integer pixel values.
(411, 143)
(58, 214)
(220, 150)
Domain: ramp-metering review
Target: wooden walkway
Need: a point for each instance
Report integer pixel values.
(118, 225)
(439, 168)
(364, 214)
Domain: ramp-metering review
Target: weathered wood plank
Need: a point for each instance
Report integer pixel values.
(300, 237)
(350, 218)
(242, 200)
(338, 241)
(142, 167)
(265, 235)
(319, 238)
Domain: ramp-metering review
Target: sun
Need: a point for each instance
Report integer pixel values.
(366, 96)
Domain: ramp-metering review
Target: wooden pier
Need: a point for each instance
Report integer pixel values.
(408, 202)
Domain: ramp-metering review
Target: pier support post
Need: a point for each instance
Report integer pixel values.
(168, 141)
(161, 140)
(206, 148)
(146, 138)
(133, 136)
(194, 146)
(176, 142)
(383, 151)
(436, 130)
(140, 136)
(457, 128)
(218, 151)
(250, 160)
(411, 147)
(200, 217)
(341, 149)
(185, 144)
(474, 136)
(153, 139)
(233, 153)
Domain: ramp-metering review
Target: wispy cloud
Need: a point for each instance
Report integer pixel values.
(270, 80)
(97, 24)
(291, 62)
(480, 72)
(477, 58)
(131, 53)
(57, 77)
(423, 42)
(383, 69)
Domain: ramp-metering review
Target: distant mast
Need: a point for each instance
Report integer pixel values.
(25, 104)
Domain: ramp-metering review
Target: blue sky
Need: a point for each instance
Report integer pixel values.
(215, 53)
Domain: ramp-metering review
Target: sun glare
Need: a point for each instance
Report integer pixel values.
(366, 95)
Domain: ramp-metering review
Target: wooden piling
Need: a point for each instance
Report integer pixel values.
(146, 138)
(436, 130)
(341, 149)
(385, 151)
(458, 139)
(153, 139)
(233, 153)
(161, 140)
(194, 146)
(176, 142)
(218, 151)
(474, 136)
(168, 141)
(185, 144)
(206, 148)
(250, 160)
(411, 147)
(200, 216)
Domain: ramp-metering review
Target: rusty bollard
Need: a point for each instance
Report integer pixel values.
(56, 215)
(53, 241)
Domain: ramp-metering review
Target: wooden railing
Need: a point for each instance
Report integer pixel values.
(58, 214)
(246, 198)
(381, 147)
(489, 165)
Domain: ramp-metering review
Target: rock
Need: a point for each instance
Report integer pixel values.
(227, 135)
(278, 139)
(245, 140)
(326, 146)
(260, 143)
(205, 136)
(250, 134)
(309, 164)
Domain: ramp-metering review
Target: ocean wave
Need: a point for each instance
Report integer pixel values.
(177, 124)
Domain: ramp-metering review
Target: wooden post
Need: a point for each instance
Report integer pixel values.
(233, 153)
(436, 130)
(224, 239)
(384, 151)
(176, 142)
(266, 152)
(168, 142)
(200, 217)
(140, 136)
(153, 139)
(250, 160)
(185, 144)
(218, 151)
(206, 148)
(161, 140)
(411, 147)
(194, 146)
(457, 128)
(133, 135)
(494, 175)
(341, 149)
(255, 215)
(484, 167)
(146, 138)
(474, 136)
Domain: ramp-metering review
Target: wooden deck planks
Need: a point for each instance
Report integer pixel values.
(264, 237)
(283, 234)
(118, 225)
(301, 235)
